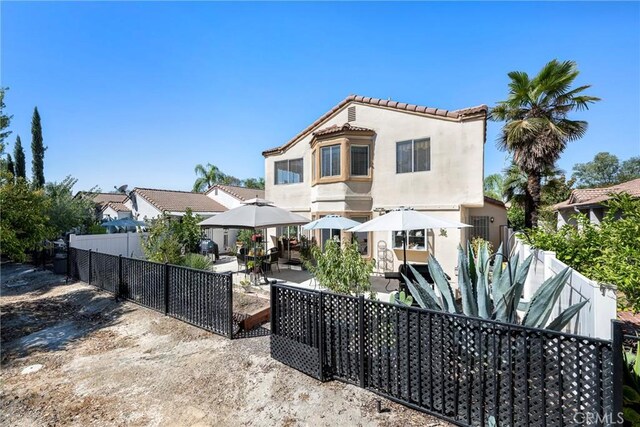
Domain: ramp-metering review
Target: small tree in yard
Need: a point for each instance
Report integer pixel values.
(169, 239)
(24, 220)
(342, 270)
(37, 149)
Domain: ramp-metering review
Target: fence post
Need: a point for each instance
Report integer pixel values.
(272, 310)
(617, 352)
(230, 302)
(116, 291)
(166, 288)
(361, 333)
(321, 335)
(89, 266)
(68, 263)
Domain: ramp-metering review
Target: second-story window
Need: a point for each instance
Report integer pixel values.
(288, 172)
(330, 160)
(413, 155)
(359, 160)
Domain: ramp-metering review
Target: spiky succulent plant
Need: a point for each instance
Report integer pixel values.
(498, 298)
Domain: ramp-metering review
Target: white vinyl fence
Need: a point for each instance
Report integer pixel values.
(125, 244)
(594, 319)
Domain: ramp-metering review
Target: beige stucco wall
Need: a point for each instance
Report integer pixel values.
(453, 181)
(499, 215)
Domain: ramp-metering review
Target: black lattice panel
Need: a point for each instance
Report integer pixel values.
(295, 337)
(143, 283)
(465, 369)
(342, 337)
(201, 298)
(104, 271)
(79, 264)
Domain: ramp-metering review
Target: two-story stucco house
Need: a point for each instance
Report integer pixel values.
(366, 156)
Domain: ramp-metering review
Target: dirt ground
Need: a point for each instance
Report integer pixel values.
(71, 355)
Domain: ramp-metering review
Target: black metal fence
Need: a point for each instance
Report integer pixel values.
(201, 298)
(466, 370)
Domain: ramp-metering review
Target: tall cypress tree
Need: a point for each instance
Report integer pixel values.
(18, 154)
(10, 165)
(37, 149)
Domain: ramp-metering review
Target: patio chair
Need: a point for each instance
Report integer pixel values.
(274, 256)
(241, 256)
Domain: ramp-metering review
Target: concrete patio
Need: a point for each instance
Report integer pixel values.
(296, 277)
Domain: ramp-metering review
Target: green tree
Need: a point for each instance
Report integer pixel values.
(206, 177)
(602, 171)
(493, 186)
(630, 169)
(537, 127)
(11, 167)
(257, 183)
(37, 149)
(231, 180)
(162, 243)
(189, 232)
(18, 154)
(5, 120)
(66, 212)
(23, 223)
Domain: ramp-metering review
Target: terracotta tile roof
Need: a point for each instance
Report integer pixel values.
(102, 199)
(116, 206)
(456, 115)
(178, 201)
(596, 196)
(240, 193)
(493, 201)
(344, 128)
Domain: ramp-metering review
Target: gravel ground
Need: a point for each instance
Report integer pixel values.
(71, 355)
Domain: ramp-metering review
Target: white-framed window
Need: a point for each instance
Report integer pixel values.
(480, 227)
(416, 240)
(330, 160)
(288, 172)
(413, 155)
(360, 160)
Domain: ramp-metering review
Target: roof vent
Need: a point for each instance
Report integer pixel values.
(351, 114)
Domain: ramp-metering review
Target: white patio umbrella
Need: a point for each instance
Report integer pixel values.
(254, 213)
(405, 219)
(334, 222)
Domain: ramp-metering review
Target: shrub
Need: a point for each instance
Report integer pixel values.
(342, 270)
(197, 261)
(96, 229)
(608, 253)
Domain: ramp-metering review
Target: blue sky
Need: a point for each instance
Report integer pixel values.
(138, 93)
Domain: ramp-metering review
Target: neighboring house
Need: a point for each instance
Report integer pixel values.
(115, 210)
(102, 199)
(489, 221)
(366, 156)
(590, 201)
(231, 196)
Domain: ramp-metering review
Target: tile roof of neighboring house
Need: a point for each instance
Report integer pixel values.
(493, 201)
(344, 128)
(116, 206)
(595, 196)
(456, 115)
(179, 201)
(241, 193)
(102, 199)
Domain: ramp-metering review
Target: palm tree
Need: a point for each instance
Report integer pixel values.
(537, 129)
(493, 185)
(207, 176)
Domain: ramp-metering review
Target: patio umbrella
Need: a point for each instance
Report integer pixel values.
(334, 222)
(254, 213)
(404, 219)
(124, 222)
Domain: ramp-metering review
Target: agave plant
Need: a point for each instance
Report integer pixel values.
(498, 298)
